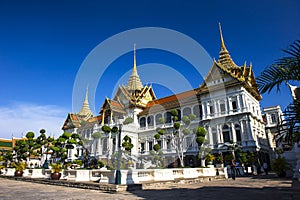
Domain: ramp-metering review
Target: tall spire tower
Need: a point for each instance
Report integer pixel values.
(85, 109)
(224, 57)
(134, 82)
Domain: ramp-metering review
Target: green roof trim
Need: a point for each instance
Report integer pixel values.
(5, 144)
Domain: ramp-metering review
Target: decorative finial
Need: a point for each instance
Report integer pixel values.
(221, 37)
(250, 70)
(87, 93)
(244, 69)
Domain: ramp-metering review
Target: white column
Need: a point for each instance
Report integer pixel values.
(207, 108)
(219, 133)
(242, 130)
(233, 132)
(216, 109)
(229, 105)
(203, 110)
(111, 117)
(210, 138)
(239, 108)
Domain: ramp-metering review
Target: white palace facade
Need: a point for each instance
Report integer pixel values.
(226, 104)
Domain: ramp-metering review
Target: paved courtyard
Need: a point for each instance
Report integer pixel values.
(259, 187)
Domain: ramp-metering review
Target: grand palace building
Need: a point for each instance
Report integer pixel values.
(226, 104)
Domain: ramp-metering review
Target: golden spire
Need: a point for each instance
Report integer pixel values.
(221, 37)
(244, 69)
(250, 70)
(85, 109)
(134, 58)
(134, 82)
(224, 57)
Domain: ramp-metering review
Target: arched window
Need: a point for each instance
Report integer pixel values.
(238, 133)
(143, 122)
(157, 119)
(186, 111)
(150, 120)
(168, 117)
(197, 111)
(225, 133)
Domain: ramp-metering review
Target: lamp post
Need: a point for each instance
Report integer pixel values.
(118, 172)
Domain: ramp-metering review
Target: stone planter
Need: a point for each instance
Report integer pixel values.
(55, 176)
(18, 173)
(219, 165)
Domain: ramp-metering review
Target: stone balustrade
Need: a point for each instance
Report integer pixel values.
(128, 177)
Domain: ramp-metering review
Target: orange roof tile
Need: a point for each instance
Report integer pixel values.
(175, 97)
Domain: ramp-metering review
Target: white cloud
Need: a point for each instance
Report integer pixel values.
(19, 118)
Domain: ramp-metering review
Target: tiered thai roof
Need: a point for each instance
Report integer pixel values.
(72, 121)
(242, 74)
(112, 105)
(85, 111)
(134, 82)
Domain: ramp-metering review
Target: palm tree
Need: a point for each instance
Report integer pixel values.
(282, 71)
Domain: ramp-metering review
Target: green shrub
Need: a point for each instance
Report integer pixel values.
(114, 129)
(177, 125)
(97, 135)
(106, 129)
(174, 112)
(56, 168)
(20, 166)
(200, 140)
(128, 120)
(200, 131)
(280, 166)
(156, 147)
(186, 120)
(161, 132)
(157, 136)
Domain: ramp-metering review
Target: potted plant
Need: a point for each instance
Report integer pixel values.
(20, 167)
(280, 166)
(209, 158)
(56, 171)
(219, 161)
(1, 167)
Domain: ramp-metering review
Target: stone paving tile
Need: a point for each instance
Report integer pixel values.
(243, 188)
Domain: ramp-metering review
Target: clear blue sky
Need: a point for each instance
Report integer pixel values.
(43, 44)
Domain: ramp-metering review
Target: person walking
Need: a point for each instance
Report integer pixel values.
(233, 169)
(265, 166)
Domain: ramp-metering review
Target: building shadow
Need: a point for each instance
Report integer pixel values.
(218, 193)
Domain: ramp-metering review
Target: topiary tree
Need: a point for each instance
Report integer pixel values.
(25, 148)
(43, 144)
(126, 144)
(21, 150)
(63, 143)
(31, 144)
(179, 133)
